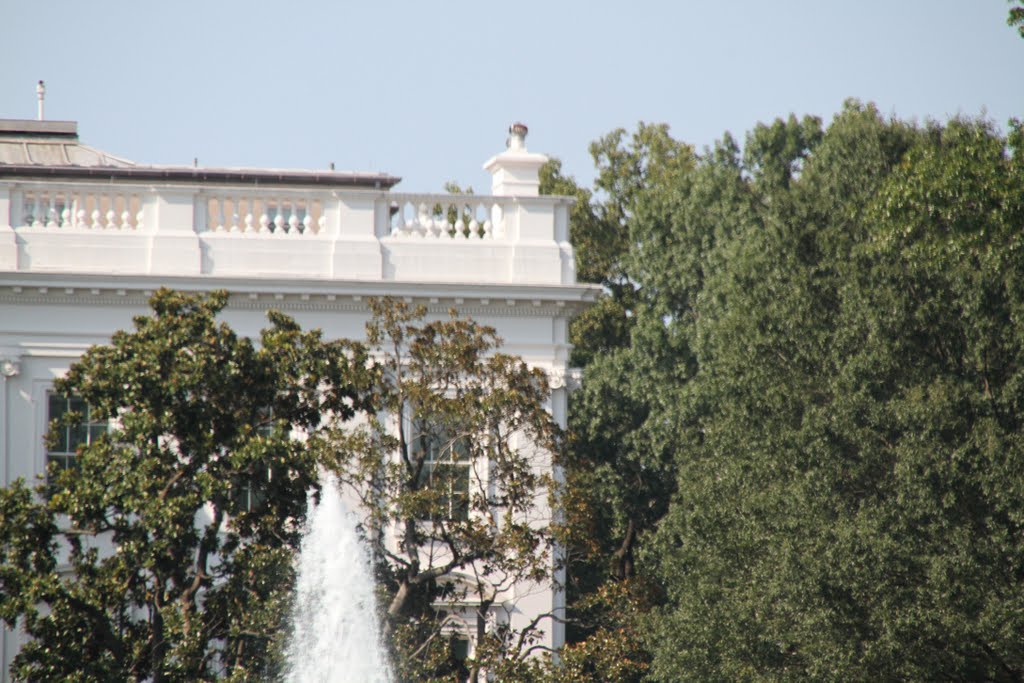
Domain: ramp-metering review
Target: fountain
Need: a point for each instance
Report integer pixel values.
(335, 636)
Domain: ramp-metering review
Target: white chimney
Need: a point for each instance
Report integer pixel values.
(515, 172)
(40, 94)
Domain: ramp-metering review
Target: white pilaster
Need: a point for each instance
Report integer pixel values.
(172, 218)
(355, 250)
(10, 366)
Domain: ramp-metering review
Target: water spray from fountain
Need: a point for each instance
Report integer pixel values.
(335, 633)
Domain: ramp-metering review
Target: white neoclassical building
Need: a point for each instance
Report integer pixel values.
(85, 237)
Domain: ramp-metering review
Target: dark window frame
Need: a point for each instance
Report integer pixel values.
(62, 450)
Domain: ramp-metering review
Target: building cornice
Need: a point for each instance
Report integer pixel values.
(301, 295)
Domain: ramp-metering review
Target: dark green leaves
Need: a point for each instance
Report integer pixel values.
(171, 573)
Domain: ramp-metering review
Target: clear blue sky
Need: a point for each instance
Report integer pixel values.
(426, 90)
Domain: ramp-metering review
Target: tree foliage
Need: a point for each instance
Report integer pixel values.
(459, 517)
(167, 552)
(813, 414)
(145, 561)
(1015, 17)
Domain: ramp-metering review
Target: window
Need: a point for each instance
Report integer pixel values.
(250, 494)
(445, 469)
(250, 491)
(61, 451)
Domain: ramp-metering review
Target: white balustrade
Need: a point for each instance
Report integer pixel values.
(357, 234)
(77, 208)
(250, 213)
(446, 217)
(279, 214)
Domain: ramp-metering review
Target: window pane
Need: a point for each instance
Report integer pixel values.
(77, 404)
(79, 435)
(445, 469)
(58, 405)
(69, 437)
(96, 429)
(61, 462)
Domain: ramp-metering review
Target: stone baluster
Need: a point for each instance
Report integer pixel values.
(498, 217)
(397, 220)
(96, 224)
(279, 221)
(422, 221)
(218, 214)
(449, 214)
(37, 211)
(408, 218)
(436, 224)
(236, 212)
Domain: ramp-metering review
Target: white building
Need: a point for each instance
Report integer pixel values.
(85, 237)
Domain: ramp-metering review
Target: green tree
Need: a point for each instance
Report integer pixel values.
(618, 478)
(1015, 17)
(848, 469)
(634, 172)
(145, 561)
(455, 498)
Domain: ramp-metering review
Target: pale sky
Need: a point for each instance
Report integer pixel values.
(426, 90)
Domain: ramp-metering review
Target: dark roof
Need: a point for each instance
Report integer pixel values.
(51, 149)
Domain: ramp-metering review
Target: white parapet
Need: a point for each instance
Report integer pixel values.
(144, 229)
(115, 217)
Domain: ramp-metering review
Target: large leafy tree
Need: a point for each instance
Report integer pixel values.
(848, 448)
(618, 476)
(166, 553)
(817, 363)
(614, 484)
(453, 475)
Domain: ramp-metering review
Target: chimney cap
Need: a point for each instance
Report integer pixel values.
(516, 140)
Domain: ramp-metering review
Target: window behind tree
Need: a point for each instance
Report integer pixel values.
(61, 452)
(251, 490)
(445, 469)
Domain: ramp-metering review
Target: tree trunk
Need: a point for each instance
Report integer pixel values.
(622, 559)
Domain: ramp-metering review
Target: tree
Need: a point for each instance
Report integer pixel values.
(173, 572)
(617, 478)
(1015, 17)
(181, 523)
(848, 469)
(452, 471)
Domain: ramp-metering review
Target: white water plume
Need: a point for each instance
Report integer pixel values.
(335, 635)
